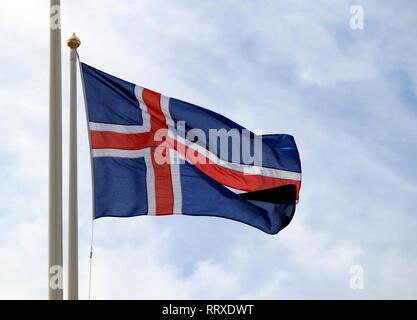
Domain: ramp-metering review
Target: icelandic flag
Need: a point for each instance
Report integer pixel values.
(155, 155)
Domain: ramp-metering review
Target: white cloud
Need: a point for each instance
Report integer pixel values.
(284, 67)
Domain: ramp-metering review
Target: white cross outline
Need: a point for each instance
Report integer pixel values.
(146, 152)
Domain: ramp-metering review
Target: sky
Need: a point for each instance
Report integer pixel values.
(348, 96)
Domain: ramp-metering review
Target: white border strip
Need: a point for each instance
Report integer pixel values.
(235, 190)
(96, 126)
(176, 181)
(146, 117)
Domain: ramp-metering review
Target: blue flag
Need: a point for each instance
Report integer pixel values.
(156, 155)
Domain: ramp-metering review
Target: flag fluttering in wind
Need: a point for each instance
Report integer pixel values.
(155, 155)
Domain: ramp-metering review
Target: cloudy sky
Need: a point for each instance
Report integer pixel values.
(348, 96)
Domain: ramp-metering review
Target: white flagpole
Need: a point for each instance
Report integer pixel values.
(55, 280)
(73, 42)
(92, 177)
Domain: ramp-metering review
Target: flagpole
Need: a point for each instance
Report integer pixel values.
(55, 281)
(73, 43)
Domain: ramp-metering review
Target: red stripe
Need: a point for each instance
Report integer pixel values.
(163, 182)
(163, 187)
(115, 140)
(231, 178)
(153, 102)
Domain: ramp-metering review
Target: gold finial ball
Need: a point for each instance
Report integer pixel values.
(73, 42)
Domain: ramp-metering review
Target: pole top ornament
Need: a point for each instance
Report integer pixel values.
(73, 42)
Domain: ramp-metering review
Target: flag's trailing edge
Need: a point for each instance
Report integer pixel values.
(132, 128)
